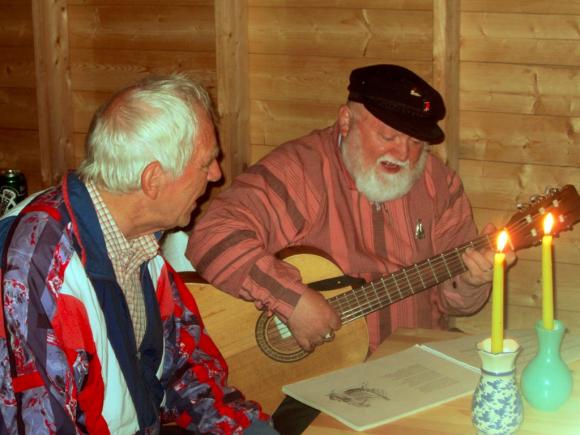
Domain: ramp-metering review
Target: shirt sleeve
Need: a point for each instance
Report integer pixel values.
(454, 227)
(234, 245)
(197, 396)
(35, 364)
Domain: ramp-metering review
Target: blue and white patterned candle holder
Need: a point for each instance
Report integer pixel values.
(497, 404)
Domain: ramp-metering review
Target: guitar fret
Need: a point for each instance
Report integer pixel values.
(397, 284)
(407, 277)
(433, 270)
(446, 267)
(460, 259)
(420, 277)
(376, 294)
(386, 290)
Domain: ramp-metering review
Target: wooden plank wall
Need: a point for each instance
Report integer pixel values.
(520, 132)
(110, 44)
(18, 112)
(302, 51)
(114, 43)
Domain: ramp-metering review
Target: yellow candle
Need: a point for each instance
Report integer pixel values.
(497, 295)
(547, 279)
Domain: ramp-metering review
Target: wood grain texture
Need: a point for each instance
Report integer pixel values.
(310, 78)
(19, 149)
(109, 70)
(233, 103)
(446, 75)
(520, 38)
(275, 122)
(53, 88)
(17, 67)
(425, 5)
(18, 108)
(147, 27)
(524, 7)
(520, 138)
(405, 35)
(498, 185)
(520, 88)
(15, 24)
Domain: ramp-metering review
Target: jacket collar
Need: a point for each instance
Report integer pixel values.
(86, 227)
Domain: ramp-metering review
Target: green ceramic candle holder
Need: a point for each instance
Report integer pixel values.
(546, 381)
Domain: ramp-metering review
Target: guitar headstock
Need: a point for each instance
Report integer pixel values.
(526, 226)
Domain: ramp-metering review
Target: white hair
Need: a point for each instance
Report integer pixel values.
(156, 119)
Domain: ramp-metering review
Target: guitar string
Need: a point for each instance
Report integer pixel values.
(358, 309)
(346, 299)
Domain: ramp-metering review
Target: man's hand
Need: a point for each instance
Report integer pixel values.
(479, 263)
(313, 319)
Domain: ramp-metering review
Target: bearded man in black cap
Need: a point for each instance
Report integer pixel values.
(365, 191)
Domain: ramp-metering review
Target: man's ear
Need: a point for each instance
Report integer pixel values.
(344, 119)
(152, 180)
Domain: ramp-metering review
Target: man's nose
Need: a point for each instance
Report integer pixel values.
(401, 149)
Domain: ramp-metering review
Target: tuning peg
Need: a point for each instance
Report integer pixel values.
(536, 198)
(550, 191)
(521, 206)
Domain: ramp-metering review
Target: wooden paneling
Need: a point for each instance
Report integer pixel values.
(497, 185)
(18, 108)
(518, 138)
(53, 88)
(519, 131)
(309, 78)
(521, 38)
(526, 89)
(523, 7)
(142, 27)
(19, 149)
(446, 75)
(275, 122)
(424, 5)
(233, 102)
(108, 70)
(116, 43)
(19, 142)
(342, 33)
(15, 24)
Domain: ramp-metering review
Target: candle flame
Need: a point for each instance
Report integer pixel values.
(502, 240)
(548, 223)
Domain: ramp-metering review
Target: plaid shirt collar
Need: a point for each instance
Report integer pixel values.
(138, 250)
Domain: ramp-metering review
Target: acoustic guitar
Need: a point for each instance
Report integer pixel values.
(259, 358)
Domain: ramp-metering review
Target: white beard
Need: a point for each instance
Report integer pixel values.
(378, 186)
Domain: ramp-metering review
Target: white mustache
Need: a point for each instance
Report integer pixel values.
(387, 159)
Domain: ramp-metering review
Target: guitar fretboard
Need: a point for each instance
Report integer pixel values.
(406, 282)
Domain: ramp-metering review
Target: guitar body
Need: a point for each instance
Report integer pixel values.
(231, 324)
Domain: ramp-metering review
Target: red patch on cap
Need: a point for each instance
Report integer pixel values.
(426, 106)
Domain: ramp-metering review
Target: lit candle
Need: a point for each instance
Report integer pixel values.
(497, 295)
(547, 280)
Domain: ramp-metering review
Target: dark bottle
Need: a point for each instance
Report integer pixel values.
(13, 189)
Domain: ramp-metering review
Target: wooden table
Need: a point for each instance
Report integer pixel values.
(455, 417)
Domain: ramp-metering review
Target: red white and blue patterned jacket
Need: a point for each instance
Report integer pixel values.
(68, 359)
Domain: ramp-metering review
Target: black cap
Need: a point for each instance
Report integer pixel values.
(399, 98)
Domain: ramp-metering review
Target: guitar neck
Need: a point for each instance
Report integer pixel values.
(406, 282)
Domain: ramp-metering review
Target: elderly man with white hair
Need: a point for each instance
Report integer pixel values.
(99, 334)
